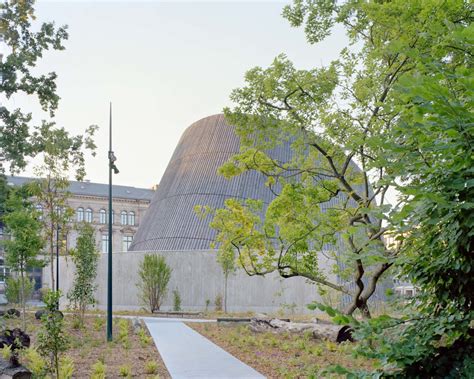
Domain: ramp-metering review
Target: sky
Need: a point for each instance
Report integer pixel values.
(163, 65)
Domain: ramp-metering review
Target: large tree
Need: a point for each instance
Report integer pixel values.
(25, 47)
(331, 194)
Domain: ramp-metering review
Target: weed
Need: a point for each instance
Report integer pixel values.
(76, 323)
(123, 326)
(66, 368)
(99, 323)
(143, 337)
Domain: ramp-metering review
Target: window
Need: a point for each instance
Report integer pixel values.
(131, 218)
(126, 242)
(39, 209)
(88, 215)
(113, 217)
(123, 218)
(4, 271)
(105, 243)
(80, 214)
(102, 216)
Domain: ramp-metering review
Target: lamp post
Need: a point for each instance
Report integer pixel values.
(58, 228)
(115, 170)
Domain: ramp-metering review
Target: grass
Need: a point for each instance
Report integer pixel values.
(93, 357)
(280, 355)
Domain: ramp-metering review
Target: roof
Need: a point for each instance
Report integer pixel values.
(95, 189)
(191, 179)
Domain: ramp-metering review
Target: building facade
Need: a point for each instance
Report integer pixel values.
(90, 204)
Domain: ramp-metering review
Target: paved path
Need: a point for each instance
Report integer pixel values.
(187, 354)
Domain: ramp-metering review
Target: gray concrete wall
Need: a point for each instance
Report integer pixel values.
(198, 278)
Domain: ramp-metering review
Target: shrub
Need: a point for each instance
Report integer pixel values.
(13, 289)
(34, 362)
(98, 370)
(208, 303)
(123, 326)
(144, 338)
(154, 275)
(151, 367)
(125, 371)
(176, 300)
(66, 368)
(99, 323)
(218, 303)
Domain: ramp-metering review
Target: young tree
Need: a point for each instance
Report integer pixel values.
(61, 153)
(26, 241)
(332, 191)
(226, 259)
(52, 340)
(154, 276)
(85, 257)
(25, 48)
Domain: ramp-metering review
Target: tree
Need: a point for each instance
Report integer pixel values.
(431, 153)
(154, 276)
(25, 244)
(226, 259)
(331, 193)
(85, 257)
(52, 340)
(61, 153)
(25, 49)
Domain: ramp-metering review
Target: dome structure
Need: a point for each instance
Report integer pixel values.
(191, 179)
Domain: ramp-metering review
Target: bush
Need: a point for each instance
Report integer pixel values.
(13, 289)
(176, 300)
(34, 362)
(154, 276)
(66, 368)
(123, 326)
(151, 367)
(98, 370)
(125, 371)
(218, 303)
(144, 338)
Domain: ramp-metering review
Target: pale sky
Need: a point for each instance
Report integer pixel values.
(164, 65)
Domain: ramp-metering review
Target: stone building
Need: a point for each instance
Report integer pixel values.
(90, 203)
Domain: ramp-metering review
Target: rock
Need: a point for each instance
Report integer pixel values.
(7, 371)
(41, 312)
(12, 312)
(136, 325)
(335, 333)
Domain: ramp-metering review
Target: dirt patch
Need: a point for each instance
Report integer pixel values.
(280, 355)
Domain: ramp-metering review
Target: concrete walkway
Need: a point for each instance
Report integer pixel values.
(187, 354)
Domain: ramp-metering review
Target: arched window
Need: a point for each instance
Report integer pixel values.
(88, 215)
(80, 214)
(123, 218)
(131, 218)
(102, 216)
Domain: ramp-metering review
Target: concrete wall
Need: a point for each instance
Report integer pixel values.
(198, 278)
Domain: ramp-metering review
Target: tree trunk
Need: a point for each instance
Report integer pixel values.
(225, 293)
(23, 301)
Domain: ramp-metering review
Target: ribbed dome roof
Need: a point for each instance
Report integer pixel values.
(191, 179)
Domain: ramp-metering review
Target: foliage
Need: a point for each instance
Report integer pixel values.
(52, 340)
(154, 276)
(85, 258)
(66, 368)
(432, 155)
(123, 332)
(13, 290)
(332, 117)
(176, 300)
(125, 371)
(26, 47)
(218, 303)
(21, 251)
(99, 370)
(144, 338)
(34, 362)
(151, 367)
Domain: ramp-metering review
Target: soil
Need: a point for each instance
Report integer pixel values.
(281, 355)
(88, 345)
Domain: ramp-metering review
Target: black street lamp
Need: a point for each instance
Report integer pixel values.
(58, 229)
(112, 167)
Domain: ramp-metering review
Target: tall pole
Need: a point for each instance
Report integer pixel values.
(109, 249)
(58, 228)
